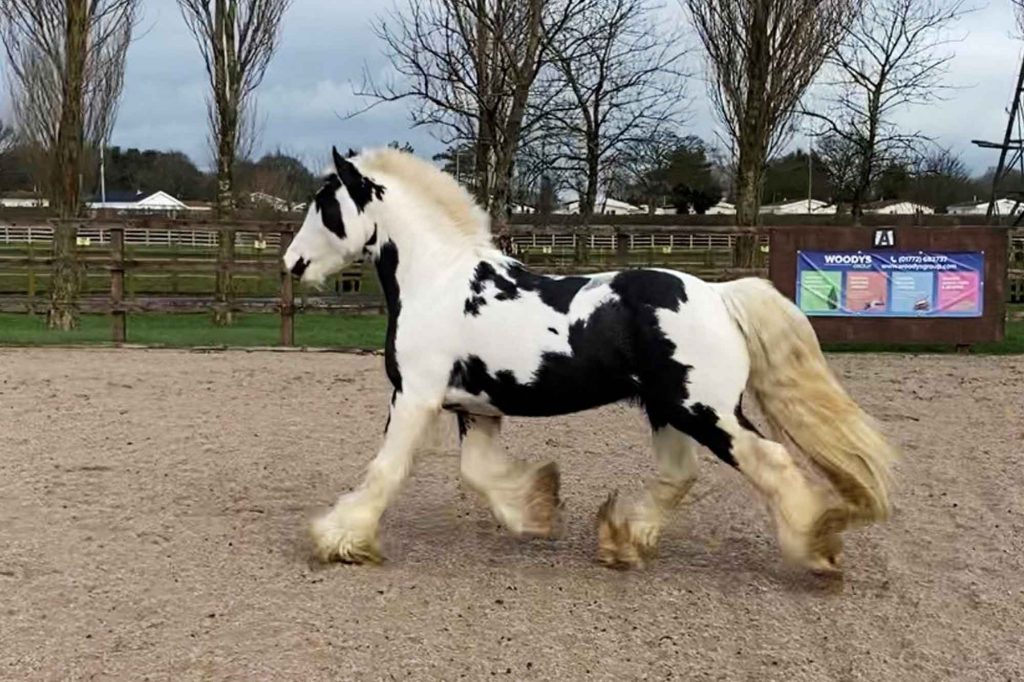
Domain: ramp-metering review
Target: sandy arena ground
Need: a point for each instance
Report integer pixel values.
(153, 509)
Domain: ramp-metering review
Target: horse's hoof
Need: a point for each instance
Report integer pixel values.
(332, 544)
(825, 545)
(619, 546)
(819, 549)
(543, 509)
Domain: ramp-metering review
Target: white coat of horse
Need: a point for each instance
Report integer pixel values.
(474, 333)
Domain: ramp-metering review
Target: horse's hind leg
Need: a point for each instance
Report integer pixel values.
(522, 496)
(807, 524)
(628, 531)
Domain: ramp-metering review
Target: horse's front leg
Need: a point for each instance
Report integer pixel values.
(523, 496)
(348, 532)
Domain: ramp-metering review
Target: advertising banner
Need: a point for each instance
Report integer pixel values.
(890, 283)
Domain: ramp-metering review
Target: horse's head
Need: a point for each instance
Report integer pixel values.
(336, 229)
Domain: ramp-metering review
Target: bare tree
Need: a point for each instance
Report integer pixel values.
(839, 156)
(645, 162)
(472, 68)
(237, 39)
(1018, 9)
(623, 84)
(66, 72)
(940, 179)
(762, 55)
(893, 56)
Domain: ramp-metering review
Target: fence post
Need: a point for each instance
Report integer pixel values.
(31, 280)
(621, 248)
(222, 313)
(287, 295)
(119, 316)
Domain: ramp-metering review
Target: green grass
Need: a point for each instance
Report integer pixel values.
(330, 331)
(185, 330)
(1013, 344)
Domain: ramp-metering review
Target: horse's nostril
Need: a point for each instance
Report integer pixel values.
(300, 267)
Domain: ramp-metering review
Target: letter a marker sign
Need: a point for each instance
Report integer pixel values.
(885, 239)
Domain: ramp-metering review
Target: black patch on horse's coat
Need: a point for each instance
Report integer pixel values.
(484, 273)
(700, 422)
(597, 372)
(394, 397)
(744, 422)
(650, 287)
(300, 267)
(327, 206)
(556, 293)
(372, 241)
(553, 331)
(387, 269)
(465, 421)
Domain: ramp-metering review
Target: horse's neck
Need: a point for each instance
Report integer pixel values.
(412, 258)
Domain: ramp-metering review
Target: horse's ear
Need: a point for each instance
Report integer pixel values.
(339, 161)
(349, 174)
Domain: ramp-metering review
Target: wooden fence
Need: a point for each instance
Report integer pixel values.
(116, 252)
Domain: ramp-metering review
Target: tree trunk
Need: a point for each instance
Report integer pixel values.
(588, 202)
(226, 102)
(500, 194)
(748, 210)
(66, 170)
(222, 315)
(483, 161)
(225, 167)
(588, 207)
(753, 134)
(64, 279)
(485, 134)
(867, 161)
(748, 203)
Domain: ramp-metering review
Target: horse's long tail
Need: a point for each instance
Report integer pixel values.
(803, 400)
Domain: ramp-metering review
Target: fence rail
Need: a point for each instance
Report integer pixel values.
(121, 252)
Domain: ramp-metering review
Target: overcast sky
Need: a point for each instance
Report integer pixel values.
(326, 44)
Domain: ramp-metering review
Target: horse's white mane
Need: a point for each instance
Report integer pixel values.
(431, 184)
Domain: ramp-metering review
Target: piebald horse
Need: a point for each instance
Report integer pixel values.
(474, 333)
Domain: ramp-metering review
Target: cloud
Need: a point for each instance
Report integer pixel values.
(326, 44)
(324, 48)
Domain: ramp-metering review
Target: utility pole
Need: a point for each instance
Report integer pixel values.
(1009, 144)
(103, 173)
(810, 174)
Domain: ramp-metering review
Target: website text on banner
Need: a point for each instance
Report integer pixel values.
(890, 283)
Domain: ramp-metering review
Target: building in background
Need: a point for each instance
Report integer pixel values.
(723, 207)
(142, 202)
(22, 199)
(603, 206)
(1003, 207)
(898, 207)
(800, 207)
